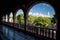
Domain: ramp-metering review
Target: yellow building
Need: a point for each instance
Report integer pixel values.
(10, 19)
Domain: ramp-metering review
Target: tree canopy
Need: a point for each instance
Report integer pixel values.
(33, 20)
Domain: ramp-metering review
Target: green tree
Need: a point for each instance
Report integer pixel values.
(20, 18)
(53, 20)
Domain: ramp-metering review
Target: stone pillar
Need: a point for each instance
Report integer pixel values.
(0, 19)
(8, 23)
(58, 25)
(4, 18)
(25, 19)
(14, 18)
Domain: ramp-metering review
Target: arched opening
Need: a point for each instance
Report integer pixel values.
(11, 17)
(42, 10)
(20, 18)
(6, 18)
(41, 16)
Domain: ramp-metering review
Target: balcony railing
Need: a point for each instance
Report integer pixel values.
(46, 32)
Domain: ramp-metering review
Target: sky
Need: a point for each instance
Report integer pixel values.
(40, 9)
(19, 12)
(11, 14)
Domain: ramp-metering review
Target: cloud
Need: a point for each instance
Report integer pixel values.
(38, 14)
(30, 13)
(45, 4)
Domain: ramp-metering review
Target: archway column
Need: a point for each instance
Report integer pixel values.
(4, 18)
(25, 19)
(8, 22)
(14, 18)
(58, 25)
(58, 28)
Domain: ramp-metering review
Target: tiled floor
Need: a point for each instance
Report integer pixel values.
(12, 34)
(0, 38)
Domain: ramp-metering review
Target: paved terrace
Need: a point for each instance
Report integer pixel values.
(12, 34)
(39, 32)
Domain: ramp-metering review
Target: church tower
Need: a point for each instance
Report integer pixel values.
(48, 14)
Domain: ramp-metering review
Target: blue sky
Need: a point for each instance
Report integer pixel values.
(43, 8)
(11, 14)
(40, 8)
(19, 12)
